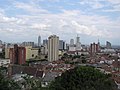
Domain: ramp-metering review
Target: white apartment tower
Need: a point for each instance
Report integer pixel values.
(53, 48)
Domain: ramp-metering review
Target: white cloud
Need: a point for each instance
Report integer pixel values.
(47, 0)
(40, 26)
(114, 1)
(10, 20)
(65, 23)
(115, 8)
(2, 11)
(54, 0)
(89, 30)
(94, 4)
(114, 4)
(31, 7)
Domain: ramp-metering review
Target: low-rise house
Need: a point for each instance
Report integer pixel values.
(50, 76)
(32, 71)
(4, 62)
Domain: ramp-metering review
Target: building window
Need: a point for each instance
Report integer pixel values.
(32, 55)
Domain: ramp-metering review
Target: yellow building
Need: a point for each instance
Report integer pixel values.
(7, 53)
(31, 53)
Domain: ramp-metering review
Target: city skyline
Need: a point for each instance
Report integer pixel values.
(92, 20)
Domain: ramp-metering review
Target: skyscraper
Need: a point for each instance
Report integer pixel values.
(108, 45)
(0, 42)
(53, 48)
(99, 48)
(45, 42)
(71, 42)
(77, 39)
(61, 45)
(78, 44)
(94, 48)
(39, 41)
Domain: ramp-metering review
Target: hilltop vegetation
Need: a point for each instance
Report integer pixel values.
(83, 78)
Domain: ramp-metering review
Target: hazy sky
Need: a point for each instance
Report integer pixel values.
(24, 20)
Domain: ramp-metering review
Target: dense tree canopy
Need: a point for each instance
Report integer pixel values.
(7, 84)
(83, 78)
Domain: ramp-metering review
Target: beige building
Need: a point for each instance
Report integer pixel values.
(53, 48)
(31, 53)
(7, 53)
(44, 50)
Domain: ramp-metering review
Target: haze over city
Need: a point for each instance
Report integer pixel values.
(24, 20)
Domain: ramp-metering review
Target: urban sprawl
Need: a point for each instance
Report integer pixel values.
(52, 57)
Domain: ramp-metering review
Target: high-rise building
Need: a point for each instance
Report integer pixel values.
(0, 42)
(78, 44)
(17, 55)
(44, 50)
(53, 48)
(108, 45)
(61, 45)
(7, 53)
(99, 48)
(28, 44)
(77, 39)
(65, 45)
(45, 42)
(94, 48)
(71, 42)
(39, 41)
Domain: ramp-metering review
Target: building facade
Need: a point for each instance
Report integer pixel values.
(28, 44)
(71, 42)
(61, 45)
(45, 42)
(31, 53)
(108, 45)
(94, 48)
(53, 48)
(7, 53)
(0, 42)
(17, 55)
(78, 44)
(39, 41)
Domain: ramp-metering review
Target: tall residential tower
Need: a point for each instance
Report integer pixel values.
(53, 48)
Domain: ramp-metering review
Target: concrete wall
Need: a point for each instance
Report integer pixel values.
(31, 52)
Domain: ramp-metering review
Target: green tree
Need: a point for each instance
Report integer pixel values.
(8, 84)
(83, 78)
(65, 56)
(76, 56)
(31, 83)
(83, 59)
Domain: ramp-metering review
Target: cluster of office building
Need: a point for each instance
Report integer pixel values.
(50, 64)
(51, 49)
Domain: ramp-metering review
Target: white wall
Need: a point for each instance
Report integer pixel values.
(4, 62)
